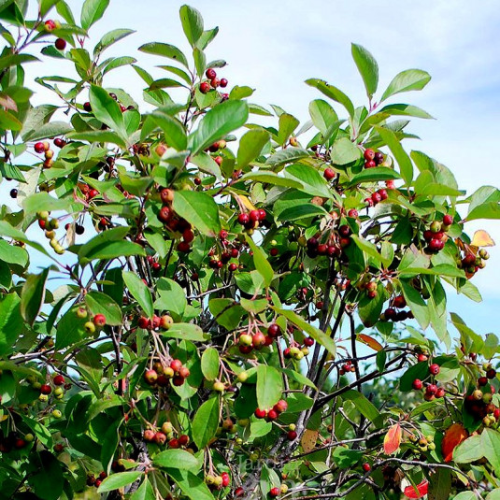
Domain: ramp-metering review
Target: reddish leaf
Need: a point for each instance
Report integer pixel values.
(453, 436)
(422, 488)
(392, 439)
(370, 342)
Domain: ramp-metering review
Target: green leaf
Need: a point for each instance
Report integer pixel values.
(322, 115)
(92, 11)
(469, 450)
(11, 322)
(367, 67)
(312, 181)
(33, 296)
(48, 131)
(13, 254)
(404, 161)
(206, 422)
(271, 178)
(411, 79)
(370, 249)
(345, 458)
(376, 174)
(48, 480)
(100, 303)
(144, 492)
(185, 331)
(269, 386)
(491, 444)
(119, 480)
(314, 332)
(192, 486)
(287, 124)
(109, 245)
(107, 110)
(46, 6)
(165, 50)
(175, 459)
(8, 121)
(175, 135)
(199, 209)
(40, 202)
(405, 110)
(210, 363)
(485, 211)
(251, 145)
(139, 290)
(416, 304)
(217, 123)
(192, 24)
(261, 263)
(365, 407)
(287, 155)
(171, 297)
(492, 495)
(344, 151)
(226, 312)
(302, 211)
(110, 38)
(333, 93)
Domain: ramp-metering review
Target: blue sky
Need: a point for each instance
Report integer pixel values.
(275, 46)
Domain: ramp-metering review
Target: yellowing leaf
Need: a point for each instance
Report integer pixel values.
(308, 440)
(246, 202)
(392, 439)
(482, 239)
(370, 342)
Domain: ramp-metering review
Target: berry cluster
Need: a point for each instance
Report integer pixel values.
(160, 375)
(164, 322)
(258, 339)
(250, 220)
(229, 250)
(295, 351)
(95, 324)
(471, 263)
(391, 314)
(346, 368)
(276, 492)
(436, 235)
(44, 147)
(213, 82)
(372, 158)
(215, 482)
(376, 197)
(166, 435)
(173, 222)
(432, 390)
(273, 414)
(49, 226)
(479, 402)
(329, 243)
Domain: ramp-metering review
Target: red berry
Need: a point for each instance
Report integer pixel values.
(260, 413)
(369, 154)
(150, 377)
(174, 443)
(422, 357)
(440, 392)
(254, 215)
(239, 492)
(149, 435)
(183, 440)
(177, 381)
(308, 341)
(99, 320)
(482, 381)
(183, 246)
(243, 218)
(210, 73)
(225, 479)
(45, 389)
(143, 322)
(165, 214)
(431, 389)
(60, 44)
(87, 107)
(223, 82)
(491, 373)
(353, 213)
(39, 147)
(291, 435)
(273, 330)
(417, 384)
(434, 369)
(376, 198)
(367, 467)
(58, 380)
(204, 87)
(274, 492)
(329, 174)
(176, 365)
(447, 220)
(436, 245)
(281, 406)
(370, 164)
